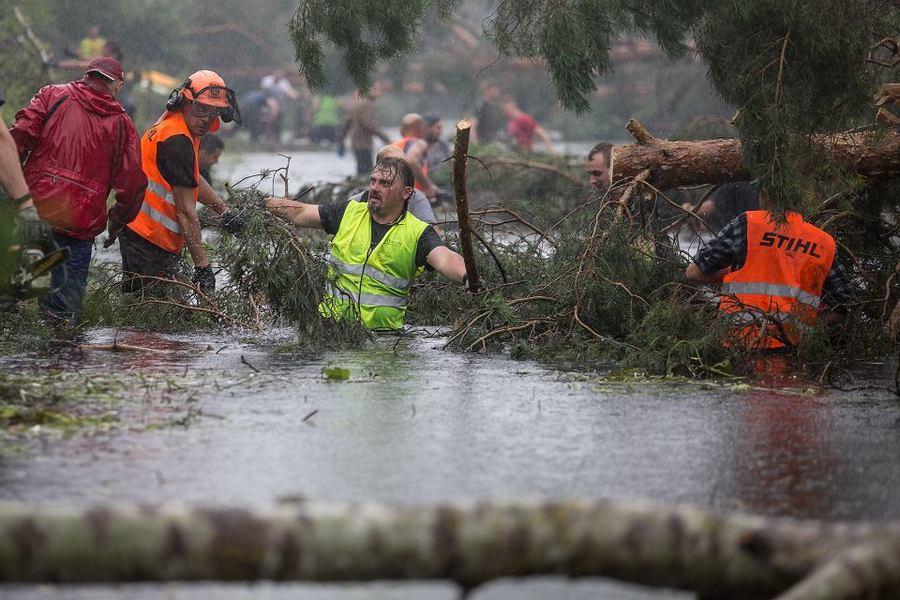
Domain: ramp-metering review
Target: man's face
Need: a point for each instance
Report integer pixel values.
(434, 131)
(598, 171)
(208, 159)
(386, 192)
(200, 117)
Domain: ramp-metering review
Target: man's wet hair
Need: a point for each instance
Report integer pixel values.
(397, 166)
(605, 148)
(211, 143)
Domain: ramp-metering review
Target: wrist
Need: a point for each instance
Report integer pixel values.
(22, 200)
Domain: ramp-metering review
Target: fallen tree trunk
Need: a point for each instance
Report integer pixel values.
(469, 543)
(872, 154)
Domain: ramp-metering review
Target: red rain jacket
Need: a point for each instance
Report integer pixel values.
(78, 144)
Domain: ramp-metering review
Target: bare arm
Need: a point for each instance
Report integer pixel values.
(298, 213)
(210, 198)
(190, 225)
(694, 274)
(448, 263)
(545, 138)
(416, 157)
(11, 177)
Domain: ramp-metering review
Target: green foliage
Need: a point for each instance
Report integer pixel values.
(21, 68)
(269, 265)
(367, 32)
(793, 69)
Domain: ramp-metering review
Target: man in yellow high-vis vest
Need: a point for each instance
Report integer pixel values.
(378, 247)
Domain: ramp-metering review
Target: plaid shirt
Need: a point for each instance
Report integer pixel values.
(729, 249)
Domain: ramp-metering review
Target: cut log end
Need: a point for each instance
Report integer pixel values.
(464, 124)
(640, 133)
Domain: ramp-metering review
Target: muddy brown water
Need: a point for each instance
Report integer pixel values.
(415, 423)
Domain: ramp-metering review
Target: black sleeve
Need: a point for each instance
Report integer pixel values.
(175, 161)
(2, 97)
(428, 241)
(331, 215)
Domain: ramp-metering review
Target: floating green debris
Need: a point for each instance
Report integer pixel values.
(336, 373)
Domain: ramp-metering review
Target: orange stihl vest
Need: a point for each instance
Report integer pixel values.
(781, 281)
(158, 221)
(404, 143)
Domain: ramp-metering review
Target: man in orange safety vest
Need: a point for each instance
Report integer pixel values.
(152, 243)
(774, 277)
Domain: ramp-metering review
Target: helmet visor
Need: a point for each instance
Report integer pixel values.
(216, 100)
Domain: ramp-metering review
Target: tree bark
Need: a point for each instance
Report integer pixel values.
(469, 543)
(460, 190)
(871, 154)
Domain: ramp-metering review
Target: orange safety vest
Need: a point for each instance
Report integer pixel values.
(780, 282)
(158, 220)
(404, 143)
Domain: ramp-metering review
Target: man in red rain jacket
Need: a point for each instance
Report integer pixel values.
(77, 143)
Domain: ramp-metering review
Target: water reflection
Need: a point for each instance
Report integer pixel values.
(784, 457)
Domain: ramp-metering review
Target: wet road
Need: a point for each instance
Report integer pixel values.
(418, 424)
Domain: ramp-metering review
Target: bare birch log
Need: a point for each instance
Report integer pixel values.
(468, 543)
(871, 154)
(460, 190)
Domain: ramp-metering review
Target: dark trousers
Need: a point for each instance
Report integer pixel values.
(71, 280)
(140, 257)
(364, 161)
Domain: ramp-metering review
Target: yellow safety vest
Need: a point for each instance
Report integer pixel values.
(371, 283)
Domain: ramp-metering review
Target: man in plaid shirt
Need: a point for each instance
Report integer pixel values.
(774, 269)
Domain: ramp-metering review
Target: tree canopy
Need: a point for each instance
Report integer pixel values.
(792, 68)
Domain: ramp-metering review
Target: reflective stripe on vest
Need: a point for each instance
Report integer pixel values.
(771, 289)
(379, 277)
(157, 221)
(368, 299)
(161, 191)
(358, 270)
(749, 317)
(160, 218)
(780, 283)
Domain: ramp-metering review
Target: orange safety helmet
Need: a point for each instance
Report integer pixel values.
(206, 87)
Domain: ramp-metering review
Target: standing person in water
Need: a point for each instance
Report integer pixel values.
(378, 248)
(415, 148)
(80, 145)
(151, 245)
(775, 277)
(360, 124)
(521, 128)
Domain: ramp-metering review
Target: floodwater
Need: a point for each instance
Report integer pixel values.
(416, 424)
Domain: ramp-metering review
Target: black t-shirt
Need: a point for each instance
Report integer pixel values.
(175, 161)
(332, 213)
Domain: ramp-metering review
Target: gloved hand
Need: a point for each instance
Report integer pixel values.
(204, 278)
(232, 222)
(31, 229)
(113, 234)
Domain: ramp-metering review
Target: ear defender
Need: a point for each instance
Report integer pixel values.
(176, 98)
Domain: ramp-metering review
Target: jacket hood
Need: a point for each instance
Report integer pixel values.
(94, 98)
